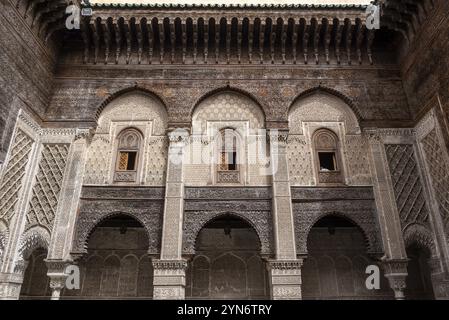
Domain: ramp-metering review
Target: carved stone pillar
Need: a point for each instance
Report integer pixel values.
(285, 271)
(169, 271)
(169, 279)
(61, 240)
(396, 273)
(11, 283)
(387, 212)
(15, 191)
(285, 279)
(57, 275)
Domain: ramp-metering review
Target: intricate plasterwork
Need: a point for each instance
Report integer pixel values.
(4, 234)
(321, 107)
(356, 156)
(310, 208)
(48, 184)
(99, 159)
(299, 155)
(227, 106)
(419, 235)
(194, 221)
(134, 106)
(36, 237)
(408, 189)
(438, 166)
(156, 161)
(14, 172)
(133, 109)
(144, 205)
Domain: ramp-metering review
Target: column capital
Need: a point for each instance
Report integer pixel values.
(162, 264)
(278, 135)
(169, 279)
(84, 134)
(56, 273)
(179, 135)
(285, 279)
(396, 273)
(285, 264)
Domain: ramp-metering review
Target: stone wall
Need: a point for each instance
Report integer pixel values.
(425, 68)
(27, 72)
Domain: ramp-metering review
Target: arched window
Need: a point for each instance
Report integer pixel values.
(128, 149)
(327, 156)
(228, 168)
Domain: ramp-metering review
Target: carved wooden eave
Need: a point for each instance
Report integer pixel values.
(200, 34)
(44, 17)
(406, 16)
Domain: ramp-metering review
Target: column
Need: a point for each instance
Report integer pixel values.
(285, 270)
(62, 235)
(169, 270)
(395, 260)
(57, 275)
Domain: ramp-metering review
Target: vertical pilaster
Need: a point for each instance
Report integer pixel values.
(169, 271)
(15, 184)
(395, 259)
(285, 270)
(61, 238)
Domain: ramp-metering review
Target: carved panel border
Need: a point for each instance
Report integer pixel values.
(97, 204)
(354, 204)
(261, 221)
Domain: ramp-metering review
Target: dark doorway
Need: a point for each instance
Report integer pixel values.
(36, 283)
(116, 265)
(336, 263)
(419, 282)
(227, 263)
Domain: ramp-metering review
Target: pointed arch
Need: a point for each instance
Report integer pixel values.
(35, 238)
(90, 228)
(369, 241)
(213, 218)
(324, 104)
(228, 89)
(323, 89)
(134, 89)
(227, 105)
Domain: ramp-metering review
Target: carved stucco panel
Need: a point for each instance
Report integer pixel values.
(45, 193)
(361, 212)
(12, 180)
(194, 221)
(93, 212)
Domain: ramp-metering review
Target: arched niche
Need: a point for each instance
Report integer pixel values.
(321, 106)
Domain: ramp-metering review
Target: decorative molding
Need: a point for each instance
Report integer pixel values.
(438, 168)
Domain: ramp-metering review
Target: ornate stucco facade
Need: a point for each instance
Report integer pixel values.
(224, 151)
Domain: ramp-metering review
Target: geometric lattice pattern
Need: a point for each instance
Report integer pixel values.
(439, 172)
(12, 180)
(44, 200)
(299, 161)
(228, 107)
(156, 164)
(98, 161)
(357, 160)
(407, 184)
